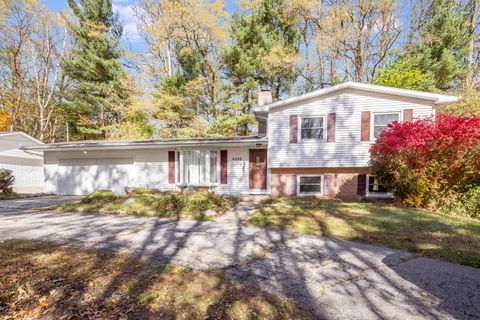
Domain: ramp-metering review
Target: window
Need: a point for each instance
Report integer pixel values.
(375, 188)
(381, 120)
(310, 185)
(197, 167)
(312, 128)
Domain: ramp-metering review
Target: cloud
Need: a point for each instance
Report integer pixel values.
(127, 17)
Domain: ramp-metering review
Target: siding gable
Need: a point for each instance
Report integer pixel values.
(348, 149)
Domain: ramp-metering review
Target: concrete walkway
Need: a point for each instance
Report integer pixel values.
(333, 278)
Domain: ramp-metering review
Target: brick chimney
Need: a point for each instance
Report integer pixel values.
(264, 96)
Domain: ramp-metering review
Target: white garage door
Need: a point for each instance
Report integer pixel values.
(83, 176)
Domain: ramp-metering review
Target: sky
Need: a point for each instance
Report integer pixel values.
(125, 11)
(133, 42)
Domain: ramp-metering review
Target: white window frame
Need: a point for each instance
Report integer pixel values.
(324, 122)
(376, 194)
(179, 166)
(372, 121)
(322, 183)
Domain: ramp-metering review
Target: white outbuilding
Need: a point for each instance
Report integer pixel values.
(27, 166)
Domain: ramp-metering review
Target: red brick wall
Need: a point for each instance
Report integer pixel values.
(344, 181)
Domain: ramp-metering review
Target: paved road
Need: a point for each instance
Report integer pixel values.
(333, 278)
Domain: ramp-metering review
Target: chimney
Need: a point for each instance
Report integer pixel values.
(264, 96)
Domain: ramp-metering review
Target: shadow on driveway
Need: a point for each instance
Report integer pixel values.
(335, 279)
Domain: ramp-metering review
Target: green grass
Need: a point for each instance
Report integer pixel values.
(45, 281)
(172, 205)
(14, 195)
(452, 238)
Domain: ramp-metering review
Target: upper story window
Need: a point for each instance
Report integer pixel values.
(381, 120)
(312, 128)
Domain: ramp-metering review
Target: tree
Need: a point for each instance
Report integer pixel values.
(402, 73)
(101, 89)
(46, 48)
(468, 106)
(473, 57)
(426, 160)
(18, 20)
(5, 120)
(443, 41)
(185, 38)
(264, 50)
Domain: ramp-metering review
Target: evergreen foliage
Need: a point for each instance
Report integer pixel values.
(442, 48)
(101, 87)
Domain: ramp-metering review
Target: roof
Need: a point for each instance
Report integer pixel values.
(21, 133)
(437, 99)
(151, 143)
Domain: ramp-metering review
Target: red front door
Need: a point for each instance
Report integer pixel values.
(258, 169)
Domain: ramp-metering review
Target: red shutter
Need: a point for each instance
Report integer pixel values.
(365, 134)
(223, 167)
(291, 189)
(362, 185)
(408, 115)
(293, 129)
(328, 184)
(331, 119)
(171, 167)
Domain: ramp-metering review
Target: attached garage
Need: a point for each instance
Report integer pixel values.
(219, 164)
(83, 176)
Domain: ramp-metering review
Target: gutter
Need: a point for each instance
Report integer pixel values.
(148, 144)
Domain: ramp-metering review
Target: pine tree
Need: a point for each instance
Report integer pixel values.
(264, 50)
(100, 90)
(443, 43)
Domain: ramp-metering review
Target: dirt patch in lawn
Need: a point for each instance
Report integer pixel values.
(456, 239)
(44, 281)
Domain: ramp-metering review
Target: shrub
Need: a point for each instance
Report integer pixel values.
(466, 203)
(141, 191)
(100, 195)
(424, 160)
(193, 203)
(6, 181)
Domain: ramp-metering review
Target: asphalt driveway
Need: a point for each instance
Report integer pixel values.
(333, 278)
(36, 202)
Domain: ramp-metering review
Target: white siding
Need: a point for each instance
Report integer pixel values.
(347, 150)
(237, 165)
(28, 173)
(26, 167)
(149, 169)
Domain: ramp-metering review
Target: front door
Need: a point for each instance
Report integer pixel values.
(258, 169)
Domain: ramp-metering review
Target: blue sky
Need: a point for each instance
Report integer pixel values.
(125, 11)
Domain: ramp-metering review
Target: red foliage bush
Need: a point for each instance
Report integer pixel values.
(417, 159)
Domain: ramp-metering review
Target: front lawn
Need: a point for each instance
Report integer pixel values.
(456, 239)
(43, 281)
(146, 202)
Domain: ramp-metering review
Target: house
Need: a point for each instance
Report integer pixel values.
(314, 144)
(26, 167)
